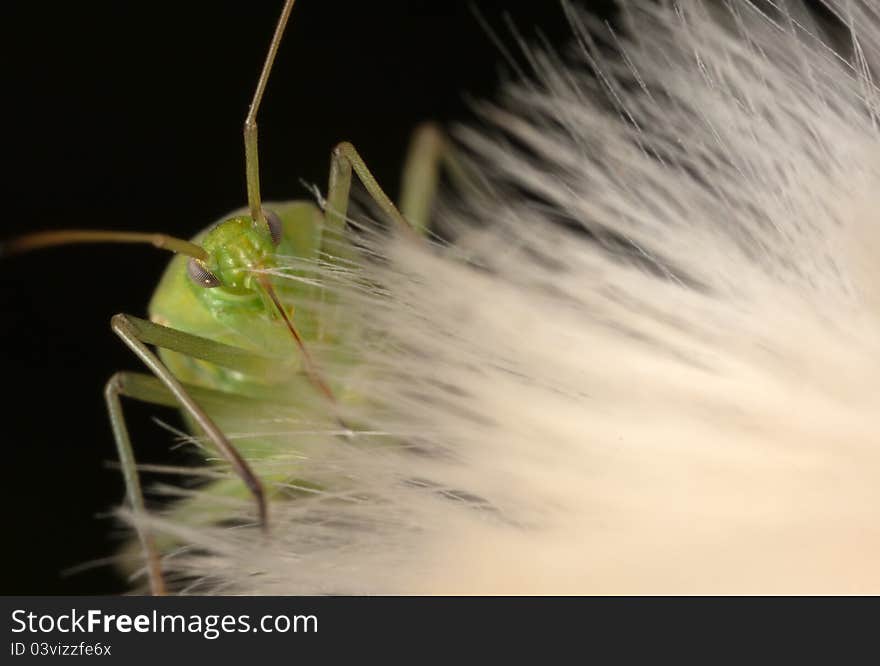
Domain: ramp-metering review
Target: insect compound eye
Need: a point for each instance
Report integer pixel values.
(275, 228)
(201, 275)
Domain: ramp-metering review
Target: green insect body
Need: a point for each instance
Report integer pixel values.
(245, 319)
(236, 313)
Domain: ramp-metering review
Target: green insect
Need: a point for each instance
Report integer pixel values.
(221, 320)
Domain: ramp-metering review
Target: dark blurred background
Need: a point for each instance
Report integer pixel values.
(128, 115)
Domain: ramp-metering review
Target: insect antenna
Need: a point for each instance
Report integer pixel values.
(41, 239)
(252, 162)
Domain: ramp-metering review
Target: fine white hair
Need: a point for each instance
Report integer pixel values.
(648, 360)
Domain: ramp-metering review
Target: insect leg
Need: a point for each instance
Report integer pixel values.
(131, 330)
(145, 388)
(343, 160)
(112, 391)
(227, 356)
(429, 149)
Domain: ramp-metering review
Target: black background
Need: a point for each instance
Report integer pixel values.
(128, 115)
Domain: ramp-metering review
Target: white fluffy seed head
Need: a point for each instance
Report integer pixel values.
(649, 362)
